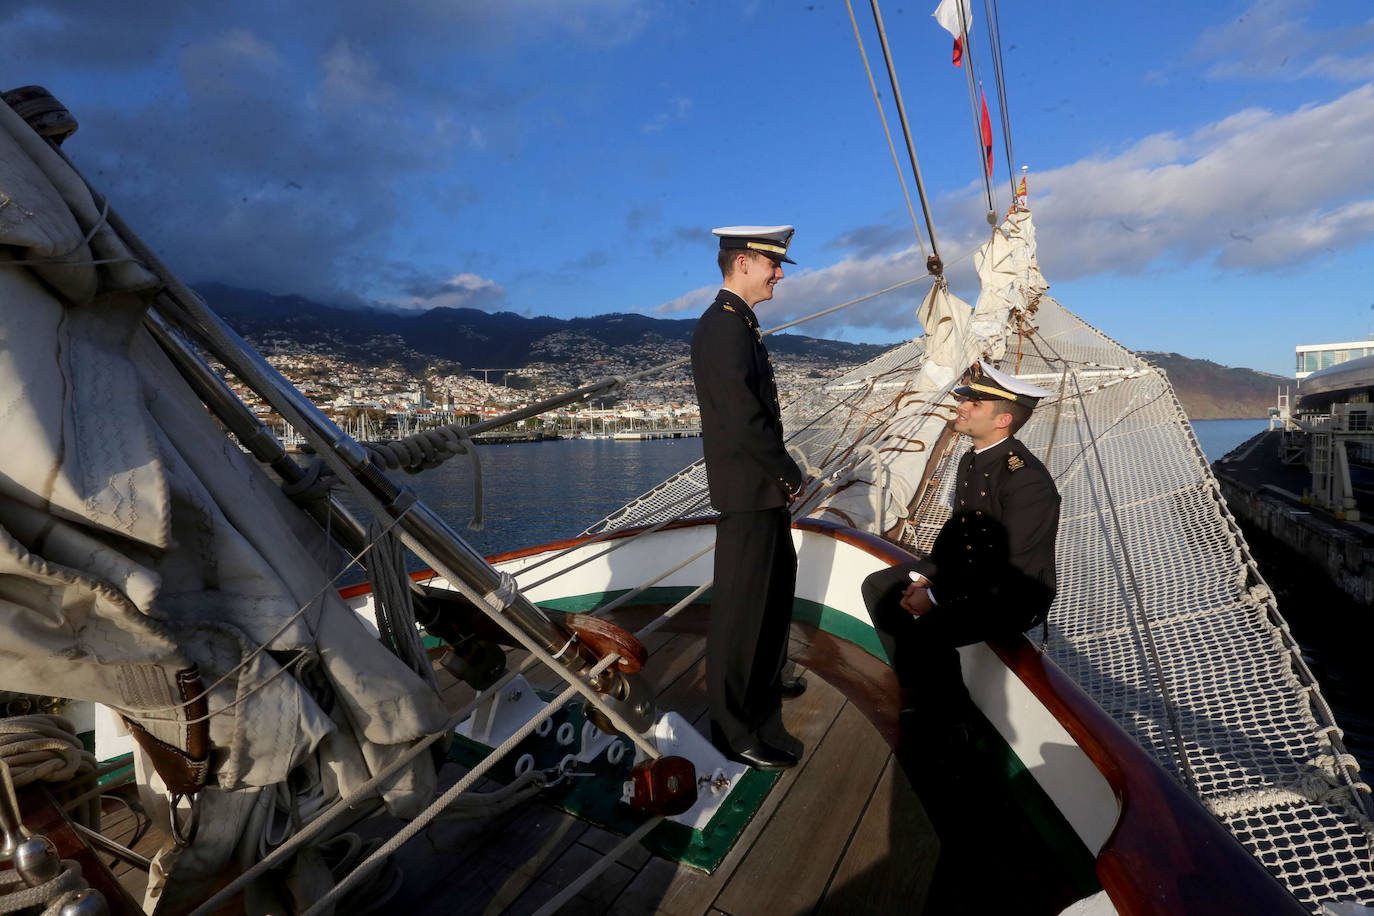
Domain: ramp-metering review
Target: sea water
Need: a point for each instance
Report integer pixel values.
(1217, 437)
(536, 492)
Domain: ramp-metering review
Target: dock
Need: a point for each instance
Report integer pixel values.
(1266, 493)
(638, 434)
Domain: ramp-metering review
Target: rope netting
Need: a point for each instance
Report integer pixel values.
(1261, 748)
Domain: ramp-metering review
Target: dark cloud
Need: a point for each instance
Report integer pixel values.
(876, 238)
(639, 217)
(681, 235)
(466, 290)
(1272, 40)
(592, 260)
(277, 153)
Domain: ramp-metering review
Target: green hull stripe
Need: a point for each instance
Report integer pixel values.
(1018, 784)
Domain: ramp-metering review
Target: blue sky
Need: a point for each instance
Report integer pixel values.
(1202, 174)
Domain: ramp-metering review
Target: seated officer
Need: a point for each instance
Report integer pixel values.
(990, 572)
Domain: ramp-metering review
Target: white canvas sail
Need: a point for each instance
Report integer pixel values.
(876, 493)
(137, 541)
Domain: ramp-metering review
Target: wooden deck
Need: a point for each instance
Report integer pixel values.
(841, 832)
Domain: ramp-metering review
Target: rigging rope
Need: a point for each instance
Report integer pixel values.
(969, 78)
(397, 840)
(62, 894)
(45, 748)
(887, 131)
(999, 75)
(906, 129)
(1121, 559)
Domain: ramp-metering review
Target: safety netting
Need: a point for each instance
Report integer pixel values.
(1161, 615)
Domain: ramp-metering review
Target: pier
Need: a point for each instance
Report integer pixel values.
(636, 434)
(1268, 494)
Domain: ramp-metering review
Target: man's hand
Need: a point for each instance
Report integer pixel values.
(916, 599)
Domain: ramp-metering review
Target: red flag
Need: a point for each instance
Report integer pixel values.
(954, 17)
(986, 127)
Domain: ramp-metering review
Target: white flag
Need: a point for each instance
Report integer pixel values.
(947, 14)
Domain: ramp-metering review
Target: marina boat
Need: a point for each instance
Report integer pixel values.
(523, 733)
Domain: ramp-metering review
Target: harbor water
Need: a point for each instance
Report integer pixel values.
(534, 493)
(538, 492)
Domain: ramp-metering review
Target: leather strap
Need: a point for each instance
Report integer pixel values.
(184, 771)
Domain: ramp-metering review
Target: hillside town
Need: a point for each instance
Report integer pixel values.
(381, 402)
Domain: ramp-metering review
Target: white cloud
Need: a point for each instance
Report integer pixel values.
(349, 79)
(809, 291)
(464, 290)
(678, 109)
(1255, 191)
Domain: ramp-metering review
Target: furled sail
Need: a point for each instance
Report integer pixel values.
(880, 488)
(144, 559)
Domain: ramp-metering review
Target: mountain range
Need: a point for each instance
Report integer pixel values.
(474, 339)
(469, 339)
(1210, 391)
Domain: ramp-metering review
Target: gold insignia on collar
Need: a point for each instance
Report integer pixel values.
(1014, 463)
(727, 306)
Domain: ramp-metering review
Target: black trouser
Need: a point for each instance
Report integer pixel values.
(751, 608)
(923, 650)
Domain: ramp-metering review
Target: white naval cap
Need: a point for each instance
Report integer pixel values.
(982, 382)
(766, 240)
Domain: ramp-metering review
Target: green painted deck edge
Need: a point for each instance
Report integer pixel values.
(1019, 784)
(594, 796)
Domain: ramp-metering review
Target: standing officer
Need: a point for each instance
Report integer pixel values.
(990, 572)
(752, 479)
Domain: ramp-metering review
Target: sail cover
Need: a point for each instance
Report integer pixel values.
(139, 546)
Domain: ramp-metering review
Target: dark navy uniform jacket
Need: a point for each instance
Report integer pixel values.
(998, 546)
(747, 466)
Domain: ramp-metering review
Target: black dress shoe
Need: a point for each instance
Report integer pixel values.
(764, 756)
(793, 689)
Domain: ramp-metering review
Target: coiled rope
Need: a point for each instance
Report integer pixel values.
(45, 748)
